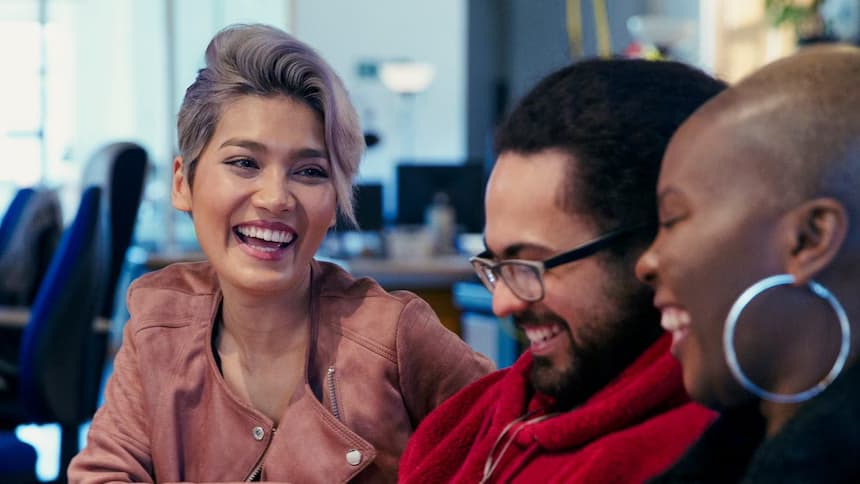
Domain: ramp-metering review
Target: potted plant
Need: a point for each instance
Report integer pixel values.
(804, 17)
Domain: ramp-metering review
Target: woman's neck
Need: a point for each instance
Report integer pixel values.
(267, 323)
(776, 415)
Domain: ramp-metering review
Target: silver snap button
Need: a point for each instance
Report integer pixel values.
(259, 433)
(353, 457)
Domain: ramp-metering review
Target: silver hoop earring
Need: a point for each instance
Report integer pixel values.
(729, 333)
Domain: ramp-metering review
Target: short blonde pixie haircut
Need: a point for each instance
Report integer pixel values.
(260, 60)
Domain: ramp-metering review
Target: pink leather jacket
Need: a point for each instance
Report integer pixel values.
(378, 363)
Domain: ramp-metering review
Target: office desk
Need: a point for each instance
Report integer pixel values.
(431, 273)
(431, 279)
(14, 317)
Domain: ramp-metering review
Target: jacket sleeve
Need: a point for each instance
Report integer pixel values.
(433, 362)
(118, 446)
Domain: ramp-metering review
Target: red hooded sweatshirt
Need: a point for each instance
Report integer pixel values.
(629, 431)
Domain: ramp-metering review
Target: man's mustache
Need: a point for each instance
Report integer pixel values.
(529, 318)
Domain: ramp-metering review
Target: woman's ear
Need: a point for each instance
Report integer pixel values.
(181, 193)
(819, 227)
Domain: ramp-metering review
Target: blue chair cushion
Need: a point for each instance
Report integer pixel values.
(19, 458)
(61, 318)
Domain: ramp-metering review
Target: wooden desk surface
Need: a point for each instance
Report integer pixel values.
(436, 272)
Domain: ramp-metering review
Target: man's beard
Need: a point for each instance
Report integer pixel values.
(605, 345)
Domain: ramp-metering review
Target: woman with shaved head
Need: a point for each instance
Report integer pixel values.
(756, 268)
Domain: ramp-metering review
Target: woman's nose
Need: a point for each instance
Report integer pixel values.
(274, 194)
(646, 266)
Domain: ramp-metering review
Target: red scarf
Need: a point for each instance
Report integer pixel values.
(631, 430)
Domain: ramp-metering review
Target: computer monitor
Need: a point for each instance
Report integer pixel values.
(418, 183)
(368, 209)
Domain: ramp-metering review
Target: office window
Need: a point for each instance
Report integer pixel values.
(21, 126)
(35, 94)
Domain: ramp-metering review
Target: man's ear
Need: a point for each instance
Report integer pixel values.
(181, 193)
(818, 229)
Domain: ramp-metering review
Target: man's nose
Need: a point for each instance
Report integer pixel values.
(505, 302)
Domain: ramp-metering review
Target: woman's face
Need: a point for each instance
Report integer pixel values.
(263, 198)
(719, 233)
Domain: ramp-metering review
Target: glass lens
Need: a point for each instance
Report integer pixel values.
(524, 280)
(485, 274)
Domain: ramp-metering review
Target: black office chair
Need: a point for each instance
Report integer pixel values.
(29, 234)
(13, 215)
(119, 168)
(47, 383)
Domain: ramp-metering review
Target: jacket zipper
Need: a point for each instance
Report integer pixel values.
(332, 395)
(258, 469)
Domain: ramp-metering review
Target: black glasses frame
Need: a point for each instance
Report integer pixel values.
(482, 263)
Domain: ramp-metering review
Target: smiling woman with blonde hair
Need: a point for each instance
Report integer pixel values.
(262, 363)
(756, 268)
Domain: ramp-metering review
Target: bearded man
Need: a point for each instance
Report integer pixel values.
(570, 206)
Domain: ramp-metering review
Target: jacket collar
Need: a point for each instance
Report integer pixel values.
(305, 411)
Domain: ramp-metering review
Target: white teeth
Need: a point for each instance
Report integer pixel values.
(674, 319)
(279, 236)
(538, 334)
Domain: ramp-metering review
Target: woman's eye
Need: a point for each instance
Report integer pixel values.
(312, 172)
(669, 222)
(242, 163)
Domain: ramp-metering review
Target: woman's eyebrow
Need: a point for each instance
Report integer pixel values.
(311, 153)
(258, 147)
(244, 143)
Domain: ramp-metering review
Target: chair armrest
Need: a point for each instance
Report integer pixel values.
(17, 317)
(14, 316)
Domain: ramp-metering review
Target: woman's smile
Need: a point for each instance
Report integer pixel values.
(676, 321)
(265, 240)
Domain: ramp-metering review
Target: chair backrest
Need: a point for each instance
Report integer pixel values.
(19, 459)
(120, 169)
(30, 232)
(60, 333)
(13, 215)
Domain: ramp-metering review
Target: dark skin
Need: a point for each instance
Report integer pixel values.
(751, 186)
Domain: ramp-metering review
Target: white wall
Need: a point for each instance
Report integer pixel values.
(123, 76)
(347, 32)
(124, 90)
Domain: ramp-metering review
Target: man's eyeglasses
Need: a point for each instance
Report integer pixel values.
(525, 277)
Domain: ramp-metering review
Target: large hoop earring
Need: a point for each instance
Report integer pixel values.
(732, 320)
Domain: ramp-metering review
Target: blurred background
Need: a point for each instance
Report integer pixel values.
(430, 81)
